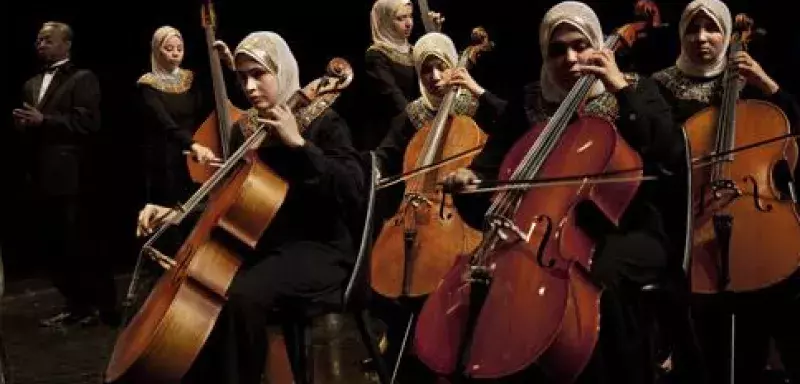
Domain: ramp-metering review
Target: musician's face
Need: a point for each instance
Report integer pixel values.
(52, 45)
(703, 40)
(568, 47)
(404, 20)
(172, 52)
(259, 84)
(432, 73)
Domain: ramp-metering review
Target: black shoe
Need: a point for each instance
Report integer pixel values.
(67, 318)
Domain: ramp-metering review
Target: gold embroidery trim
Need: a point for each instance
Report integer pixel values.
(184, 83)
(397, 57)
(465, 104)
(684, 88)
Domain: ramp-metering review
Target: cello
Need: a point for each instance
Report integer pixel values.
(167, 333)
(417, 246)
(525, 295)
(215, 131)
(747, 231)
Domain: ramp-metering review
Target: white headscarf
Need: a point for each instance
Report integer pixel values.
(438, 45)
(580, 16)
(159, 38)
(271, 51)
(719, 13)
(384, 32)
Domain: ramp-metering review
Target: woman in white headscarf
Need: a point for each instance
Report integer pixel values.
(632, 254)
(303, 259)
(171, 113)
(388, 62)
(435, 59)
(696, 78)
(692, 84)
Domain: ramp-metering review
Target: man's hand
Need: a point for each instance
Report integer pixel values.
(28, 116)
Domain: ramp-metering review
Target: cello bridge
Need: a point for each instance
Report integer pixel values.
(416, 199)
(725, 188)
(506, 229)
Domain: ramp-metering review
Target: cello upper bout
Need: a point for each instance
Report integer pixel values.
(255, 203)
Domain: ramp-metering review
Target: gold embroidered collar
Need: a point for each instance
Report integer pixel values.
(397, 57)
(179, 83)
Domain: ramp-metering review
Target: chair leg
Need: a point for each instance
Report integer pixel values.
(299, 349)
(369, 340)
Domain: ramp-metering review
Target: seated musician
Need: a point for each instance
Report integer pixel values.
(435, 58)
(627, 256)
(692, 84)
(306, 255)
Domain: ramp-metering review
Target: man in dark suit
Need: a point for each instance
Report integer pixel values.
(60, 115)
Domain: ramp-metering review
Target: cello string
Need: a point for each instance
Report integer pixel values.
(545, 143)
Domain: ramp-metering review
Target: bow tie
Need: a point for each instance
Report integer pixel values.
(50, 68)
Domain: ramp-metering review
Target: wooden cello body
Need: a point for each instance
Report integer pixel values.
(215, 131)
(417, 246)
(524, 295)
(762, 213)
(166, 335)
(747, 229)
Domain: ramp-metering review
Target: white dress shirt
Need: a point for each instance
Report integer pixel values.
(47, 78)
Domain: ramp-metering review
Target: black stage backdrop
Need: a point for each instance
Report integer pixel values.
(113, 39)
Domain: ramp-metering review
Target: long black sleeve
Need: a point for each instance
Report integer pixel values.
(392, 148)
(490, 109)
(379, 74)
(646, 123)
(84, 116)
(156, 107)
(328, 164)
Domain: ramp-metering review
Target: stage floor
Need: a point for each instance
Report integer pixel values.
(77, 355)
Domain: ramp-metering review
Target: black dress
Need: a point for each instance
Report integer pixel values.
(304, 258)
(627, 257)
(391, 83)
(770, 312)
(171, 113)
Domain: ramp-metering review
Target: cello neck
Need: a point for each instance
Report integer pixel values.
(480, 43)
(224, 120)
(440, 121)
(430, 26)
(558, 123)
(726, 123)
(551, 135)
(731, 88)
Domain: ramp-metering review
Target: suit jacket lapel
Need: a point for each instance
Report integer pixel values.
(58, 78)
(33, 89)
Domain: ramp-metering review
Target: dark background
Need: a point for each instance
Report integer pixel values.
(113, 39)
